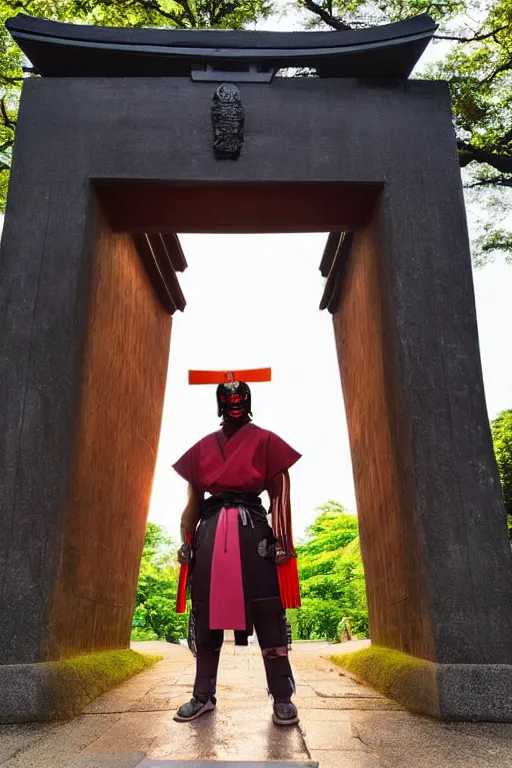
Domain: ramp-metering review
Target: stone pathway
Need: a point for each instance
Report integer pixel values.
(343, 724)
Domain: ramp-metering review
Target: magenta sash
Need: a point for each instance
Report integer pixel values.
(227, 605)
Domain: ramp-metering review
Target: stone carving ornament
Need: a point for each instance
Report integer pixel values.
(228, 122)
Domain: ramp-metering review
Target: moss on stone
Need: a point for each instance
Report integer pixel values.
(77, 681)
(380, 667)
(407, 679)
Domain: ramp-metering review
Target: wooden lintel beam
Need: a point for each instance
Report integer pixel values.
(237, 208)
(330, 251)
(163, 259)
(156, 278)
(175, 251)
(332, 290)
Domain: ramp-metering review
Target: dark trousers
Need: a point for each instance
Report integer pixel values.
(269, 624)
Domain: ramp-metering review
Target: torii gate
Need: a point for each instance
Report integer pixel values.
(132, 136)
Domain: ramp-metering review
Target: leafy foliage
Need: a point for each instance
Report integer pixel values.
(155, 617)
(11, 77)
(502, 441)
(478, 68)
(331, 576)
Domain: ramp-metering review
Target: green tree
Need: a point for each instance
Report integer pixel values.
(478, 69)
(332, 577)
(155, 617)
(502, 441)
(173, 14)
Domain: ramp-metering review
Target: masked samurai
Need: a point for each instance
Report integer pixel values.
(242, 568)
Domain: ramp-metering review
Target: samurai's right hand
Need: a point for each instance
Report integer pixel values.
(185, 554)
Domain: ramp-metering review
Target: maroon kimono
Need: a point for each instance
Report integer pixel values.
(234, 544)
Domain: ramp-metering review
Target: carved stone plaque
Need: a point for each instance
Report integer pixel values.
(228, 122)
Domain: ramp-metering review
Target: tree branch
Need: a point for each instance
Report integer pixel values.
(7, 145)
(504, 68)
(188, 12)
(5, 119)
(11, 80)
(474, 39)
(326, 17)
(223, 10)
(469, 154)
(494, 181)
(506, 138)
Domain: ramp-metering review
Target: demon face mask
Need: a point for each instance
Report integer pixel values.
(234, 400)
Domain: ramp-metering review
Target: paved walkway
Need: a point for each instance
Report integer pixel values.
(343, 724)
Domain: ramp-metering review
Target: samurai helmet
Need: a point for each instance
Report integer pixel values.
(234, 400)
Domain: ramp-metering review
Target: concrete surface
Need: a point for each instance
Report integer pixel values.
(216, 764)
(343, 724)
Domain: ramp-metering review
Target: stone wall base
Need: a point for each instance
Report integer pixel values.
(59, 690)
(449, 692)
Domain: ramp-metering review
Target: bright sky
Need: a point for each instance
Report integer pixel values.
(253, 302)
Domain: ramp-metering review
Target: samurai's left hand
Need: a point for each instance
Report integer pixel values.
(185, 554)
(281, 557)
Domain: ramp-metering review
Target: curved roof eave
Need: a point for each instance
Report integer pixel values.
(59, 49)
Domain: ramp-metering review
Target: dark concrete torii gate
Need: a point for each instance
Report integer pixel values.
(114, 156)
